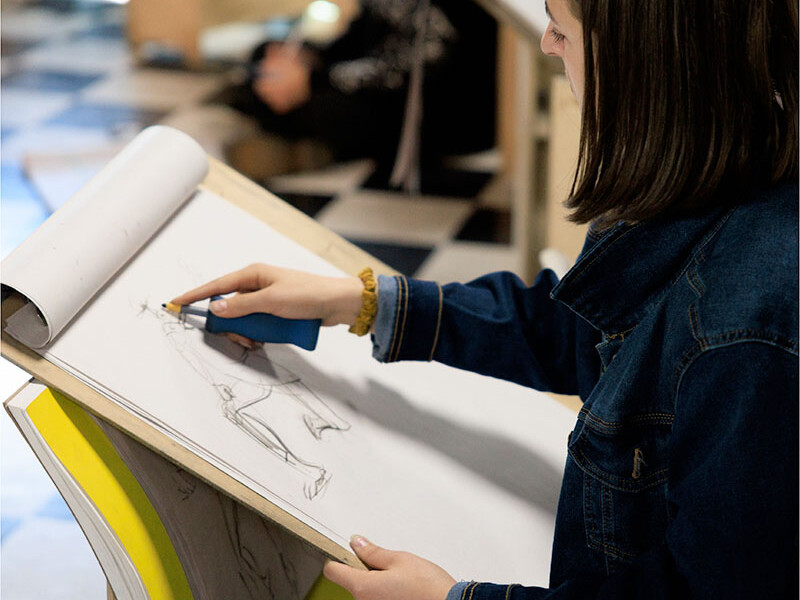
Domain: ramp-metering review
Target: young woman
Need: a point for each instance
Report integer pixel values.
(678, 326)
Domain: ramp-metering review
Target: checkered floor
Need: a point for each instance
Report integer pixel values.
(71, 96)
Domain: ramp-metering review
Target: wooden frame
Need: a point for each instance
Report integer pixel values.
(242, 192)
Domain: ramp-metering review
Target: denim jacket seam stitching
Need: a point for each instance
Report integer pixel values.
(607, 516)
(510, 587)
(438, 322)
(464, 591)
(404, 292)
(611, 550)
(588, 509)
(725, 340)
(695, 282)
(694, 326)
(696, 255)
(650, 481)
(752, 335)
(597, 423)
(583, 268)
(471, 589)
(390, 356)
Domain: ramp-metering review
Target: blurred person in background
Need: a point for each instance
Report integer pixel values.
(408, 83)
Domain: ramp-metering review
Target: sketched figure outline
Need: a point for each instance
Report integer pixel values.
(271, 410)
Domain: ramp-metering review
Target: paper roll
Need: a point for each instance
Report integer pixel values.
(72, 255)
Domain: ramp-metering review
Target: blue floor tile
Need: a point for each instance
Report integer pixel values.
(19, 217)
(55, 508)
(49, 81)
(107, 116)
(14, 184)
(7, 526)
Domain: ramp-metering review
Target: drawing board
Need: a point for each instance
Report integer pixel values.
(459, 468)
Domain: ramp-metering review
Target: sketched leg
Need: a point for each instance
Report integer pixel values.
(276, 422)
(262, 432)
(317, 416)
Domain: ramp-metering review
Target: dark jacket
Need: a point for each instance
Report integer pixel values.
(681, 337)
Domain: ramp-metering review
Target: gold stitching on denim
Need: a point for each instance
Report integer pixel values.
(402, 291)
(611, 550)
(693, 277)
(694, 324)
(464, 592)
(471, 588)
(510, 587)
(659, 418)
(438, 323)
(406, 294)
(396, 321)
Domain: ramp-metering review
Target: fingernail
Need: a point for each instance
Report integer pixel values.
(218, 306)
(358, 541)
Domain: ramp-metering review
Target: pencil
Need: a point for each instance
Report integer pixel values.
(185, 309)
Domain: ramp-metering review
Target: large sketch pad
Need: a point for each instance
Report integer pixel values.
(459, 468)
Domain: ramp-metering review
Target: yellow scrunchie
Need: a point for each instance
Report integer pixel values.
(369, 304)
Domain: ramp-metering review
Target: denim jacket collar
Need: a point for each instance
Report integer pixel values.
(624, 273)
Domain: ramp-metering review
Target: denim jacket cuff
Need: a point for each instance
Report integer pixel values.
(457, 591)
(407, 305)
(383, 327)
(474, 590)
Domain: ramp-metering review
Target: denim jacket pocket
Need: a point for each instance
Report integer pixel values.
(625, 473)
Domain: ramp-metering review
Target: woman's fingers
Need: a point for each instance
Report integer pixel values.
(242, 304)
(244, 280)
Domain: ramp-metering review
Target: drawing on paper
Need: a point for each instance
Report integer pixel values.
(272, 405)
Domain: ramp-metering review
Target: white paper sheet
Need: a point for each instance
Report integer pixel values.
(416, 456)
(75, 252)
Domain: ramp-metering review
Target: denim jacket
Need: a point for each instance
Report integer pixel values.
(680, 336)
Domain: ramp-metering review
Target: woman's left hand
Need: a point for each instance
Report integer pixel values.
(395, 575)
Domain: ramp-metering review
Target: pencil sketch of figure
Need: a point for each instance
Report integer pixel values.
(272, 405)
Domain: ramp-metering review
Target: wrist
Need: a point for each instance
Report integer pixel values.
(346, 301)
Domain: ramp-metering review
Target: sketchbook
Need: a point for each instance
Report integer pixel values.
(121, 495)
(111, 508)
(461, 469)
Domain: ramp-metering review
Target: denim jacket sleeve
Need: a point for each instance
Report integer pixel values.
(494, 325)
(733, 490)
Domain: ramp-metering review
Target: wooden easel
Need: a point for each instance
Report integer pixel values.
(242, 192)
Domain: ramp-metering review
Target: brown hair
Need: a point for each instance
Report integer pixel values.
(686, 102)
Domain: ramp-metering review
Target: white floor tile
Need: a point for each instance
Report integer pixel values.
(50, 140)
(32, 24)
(153, 89)
(336, 179)
(465, 261)
(395, 218)
(58, 177)
(25, 485)
(50, 559)
(213, 126)
(24, 108)
(91, 56)
(487, 161)
(233, 41)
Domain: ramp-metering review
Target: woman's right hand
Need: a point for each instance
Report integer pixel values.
(282, 292)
